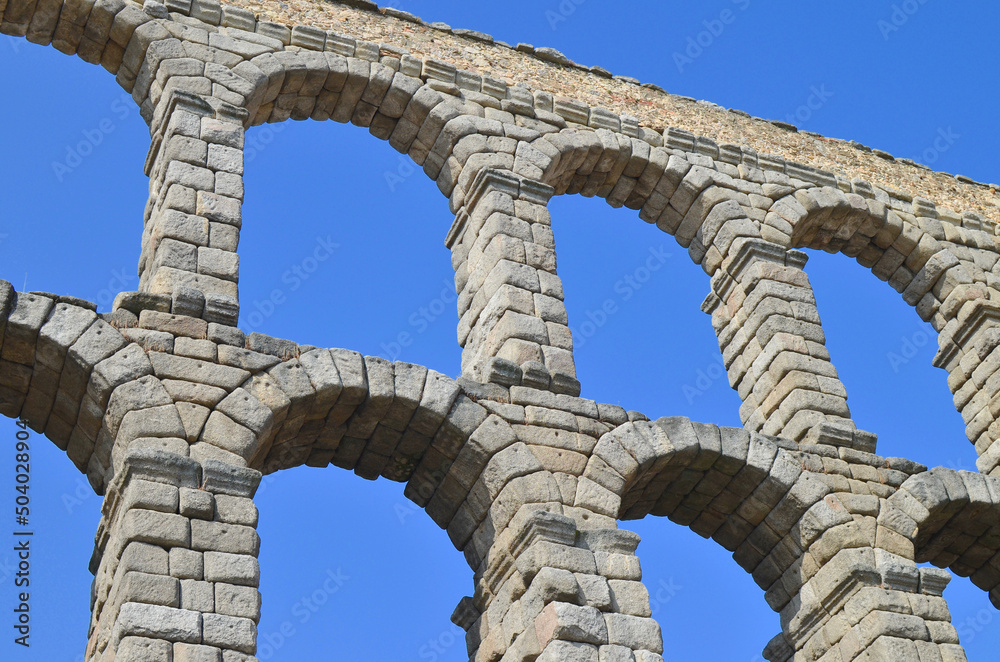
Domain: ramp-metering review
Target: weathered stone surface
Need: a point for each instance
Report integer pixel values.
(167, 366)
(231, 632)
(143, 648)
(158, 622)
(172, 411)
(237, 569)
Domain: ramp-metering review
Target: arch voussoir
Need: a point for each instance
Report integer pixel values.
(947, 516)
(174, 413)
(822, 555)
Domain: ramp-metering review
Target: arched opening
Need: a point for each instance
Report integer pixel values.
(347, 251)
(633, 296)
(342, 559)
(883, 352)
(382, 284)
(74, 192)
(693, 582)
(73, 180)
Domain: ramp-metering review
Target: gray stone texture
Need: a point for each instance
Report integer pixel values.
(173, 413)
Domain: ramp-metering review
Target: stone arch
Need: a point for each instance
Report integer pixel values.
(500, 499)
(912, 249)
(63, 25)
(574, 149)
(268, 410)
(687, 185)
(711, 479)
(946, 516)
(768, 503)
(940, 263)
(61, 363)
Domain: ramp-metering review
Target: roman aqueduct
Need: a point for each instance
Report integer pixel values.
(173, 413)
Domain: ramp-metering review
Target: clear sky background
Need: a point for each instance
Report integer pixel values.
(73, 192)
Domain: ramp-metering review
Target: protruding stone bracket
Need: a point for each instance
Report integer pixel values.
(838, 434)
(194, 104)
(746, 254)
(159, 467)
(540, 527)
(567, 593)
(829, 591)
(547, 527)
(971, 328)
(178, 100)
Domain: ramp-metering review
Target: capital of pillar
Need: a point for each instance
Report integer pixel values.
(866, 603)
(968, 350)
(552, 591)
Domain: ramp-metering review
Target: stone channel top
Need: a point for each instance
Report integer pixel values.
(546, 69)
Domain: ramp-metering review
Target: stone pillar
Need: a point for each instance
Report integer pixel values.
(192, 221)
(551, 592)
(514, 328)
(175, 562)
(969, 352)
(764, 313)
(868, 605)
(841, 573)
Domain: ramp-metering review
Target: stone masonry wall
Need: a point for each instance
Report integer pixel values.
(543, 69)
(173, 413)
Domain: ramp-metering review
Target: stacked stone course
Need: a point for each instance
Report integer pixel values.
(174, 413)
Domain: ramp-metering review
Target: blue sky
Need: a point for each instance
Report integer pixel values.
(353, 570)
